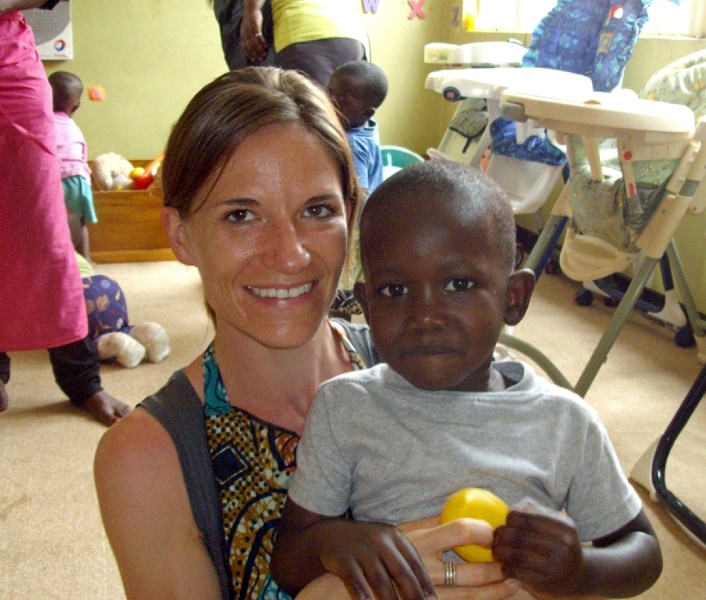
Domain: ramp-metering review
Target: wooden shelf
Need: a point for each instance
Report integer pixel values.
(129, 227)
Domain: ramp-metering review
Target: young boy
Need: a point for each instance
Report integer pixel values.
(359, 88)
(392, 443)
(67, 89)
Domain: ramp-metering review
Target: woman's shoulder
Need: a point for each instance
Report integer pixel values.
(136, 443)
(142, 438)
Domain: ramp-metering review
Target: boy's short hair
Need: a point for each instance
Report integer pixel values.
(370, 75)
(66, 89)
(445, 181)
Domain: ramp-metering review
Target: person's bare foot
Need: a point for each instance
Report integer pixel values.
(4, 401)
(106, 409)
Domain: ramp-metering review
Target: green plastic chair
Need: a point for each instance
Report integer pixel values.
(395, 158)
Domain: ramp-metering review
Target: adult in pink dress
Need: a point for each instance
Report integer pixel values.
(41, 298)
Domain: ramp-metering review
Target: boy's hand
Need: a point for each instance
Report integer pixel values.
(543, 551)
(370, 558)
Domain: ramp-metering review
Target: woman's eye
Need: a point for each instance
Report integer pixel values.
(240, 215)
(393, 290)
(319, 211)
(458, 284)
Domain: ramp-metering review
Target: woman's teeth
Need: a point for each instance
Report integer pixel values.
(280, 292)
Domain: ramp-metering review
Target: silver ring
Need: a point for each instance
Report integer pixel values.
(259, 35)
(449, 574)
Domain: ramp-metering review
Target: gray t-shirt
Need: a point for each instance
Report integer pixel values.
(394, 453)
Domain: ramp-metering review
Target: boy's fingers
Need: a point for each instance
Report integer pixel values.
(409, 572)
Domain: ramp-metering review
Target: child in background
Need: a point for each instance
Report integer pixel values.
(359, 88)
(71, 150)
(393, 442)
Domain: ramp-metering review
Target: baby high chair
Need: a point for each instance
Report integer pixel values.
(578, 45)
(626, 198)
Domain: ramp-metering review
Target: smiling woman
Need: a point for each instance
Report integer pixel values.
(259, 195)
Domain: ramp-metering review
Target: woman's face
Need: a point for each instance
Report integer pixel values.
(270, 240)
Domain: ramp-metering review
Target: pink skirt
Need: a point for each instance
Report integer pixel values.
(41, 297)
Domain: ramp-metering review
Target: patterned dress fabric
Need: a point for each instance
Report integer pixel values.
(252, 461)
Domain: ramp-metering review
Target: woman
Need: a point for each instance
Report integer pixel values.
(259, 192)
(312, 36)
(41, 296)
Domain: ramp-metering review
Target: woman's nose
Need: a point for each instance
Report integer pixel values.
(286, 250)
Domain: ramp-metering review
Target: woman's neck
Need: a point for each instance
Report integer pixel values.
(278, 385)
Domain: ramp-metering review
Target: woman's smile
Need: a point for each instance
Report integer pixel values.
(281, 292)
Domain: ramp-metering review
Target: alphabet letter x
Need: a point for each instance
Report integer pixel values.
(416, 9)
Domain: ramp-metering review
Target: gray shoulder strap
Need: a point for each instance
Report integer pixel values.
(179, 410)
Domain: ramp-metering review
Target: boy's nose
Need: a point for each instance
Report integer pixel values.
(426, 311)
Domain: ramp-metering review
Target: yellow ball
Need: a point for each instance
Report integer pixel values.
(136, 172)
(475, 503)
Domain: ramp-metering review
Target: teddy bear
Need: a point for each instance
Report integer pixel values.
(110, 171)
(108, 324)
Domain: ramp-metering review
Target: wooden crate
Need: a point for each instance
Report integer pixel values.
(129, 227)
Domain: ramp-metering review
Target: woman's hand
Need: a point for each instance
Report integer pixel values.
(251, 38)
(479, 581)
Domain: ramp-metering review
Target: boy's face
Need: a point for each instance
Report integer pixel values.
(436, 296)
(349, 96)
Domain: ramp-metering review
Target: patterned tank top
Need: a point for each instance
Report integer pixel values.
(253, 462)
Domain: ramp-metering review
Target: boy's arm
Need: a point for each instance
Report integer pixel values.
(544, 552)
(371, 558)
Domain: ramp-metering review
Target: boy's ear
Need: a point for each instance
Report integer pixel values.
(519, 291)
(174, 226)
(369, 112)
(361, 297)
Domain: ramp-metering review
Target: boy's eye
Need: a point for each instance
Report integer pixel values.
(393, 290)
(319, 211)
(240, 215)
(458, 284)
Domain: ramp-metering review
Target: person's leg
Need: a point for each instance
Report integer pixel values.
(4, 378)
(320, 58)
(77, 372)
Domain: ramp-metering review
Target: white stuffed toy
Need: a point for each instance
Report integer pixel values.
(110, 171)
(108, 325)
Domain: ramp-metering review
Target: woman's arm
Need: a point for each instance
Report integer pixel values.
(147, 515)
(251, 38)
(370, 555)
(12, 5)
(544, 552)
(474, 582)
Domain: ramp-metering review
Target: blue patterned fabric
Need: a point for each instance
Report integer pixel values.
(534, 148)
(589, 37)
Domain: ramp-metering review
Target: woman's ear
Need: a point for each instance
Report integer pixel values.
(174, 226)
(519, 291)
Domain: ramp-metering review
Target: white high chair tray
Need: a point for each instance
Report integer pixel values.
(456, 84)
(598, 114)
